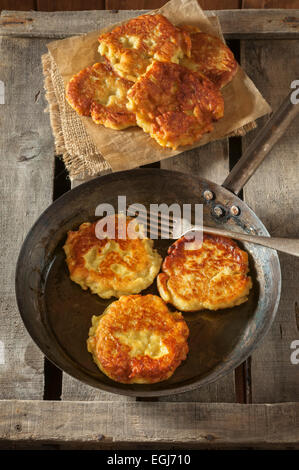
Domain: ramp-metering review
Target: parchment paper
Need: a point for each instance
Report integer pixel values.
(131, 147)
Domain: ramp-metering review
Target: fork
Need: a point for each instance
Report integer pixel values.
(170, 227)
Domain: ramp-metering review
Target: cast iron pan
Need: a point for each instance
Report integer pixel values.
(57, 312)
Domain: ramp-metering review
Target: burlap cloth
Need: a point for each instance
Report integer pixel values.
(80, 155)
(75, 139)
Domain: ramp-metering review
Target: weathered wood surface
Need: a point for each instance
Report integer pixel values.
(26, 173)
(273, 193)
(147, 4)
(74, 390)
(59, 24)
(17, 5)
(210, 162)
(104, 424)
(236, 24)
(72, 5)
(26, 181)
(269, 4)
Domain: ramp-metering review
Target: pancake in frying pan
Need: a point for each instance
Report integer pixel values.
(214, 276)
(111, 267)
(137, 340)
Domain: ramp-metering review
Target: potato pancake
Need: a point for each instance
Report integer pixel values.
(137, 340)
(175, 106)
(111, 267)
(212, 277)
(211, 57)
(133, 46)
(99, 92)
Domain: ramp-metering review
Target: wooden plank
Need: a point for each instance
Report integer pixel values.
(222, 391)
(74, 390)
(103, 424)
(273, 193)
(236, 24)
(152, 4)
(70, 5)
(17, 5)
(26, 175)
(133, 4)
(219, 4)
(58, 24)
(210, 162)
(270, 4)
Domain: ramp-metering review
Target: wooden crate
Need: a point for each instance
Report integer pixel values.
(257, 405)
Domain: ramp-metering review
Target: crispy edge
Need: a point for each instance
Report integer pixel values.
(156, 119)
(155, 374)
(175, 251)
(113, 117)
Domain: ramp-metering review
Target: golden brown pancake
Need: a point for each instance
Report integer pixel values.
(211, 57)
(212, 277)
(110, 267)
(99, 92)
(137, 340)
(133, 46)
(175, 106)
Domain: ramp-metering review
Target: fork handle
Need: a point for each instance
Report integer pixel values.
(285, 245)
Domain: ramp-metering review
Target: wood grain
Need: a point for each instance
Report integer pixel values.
(104, 424)
(236, 24)
(133, 4)
(270, 4)
(152, 4)
(273, 193)
(70, 5)
(26, 179)
(74, 390)
(17, 5)
(58, 24)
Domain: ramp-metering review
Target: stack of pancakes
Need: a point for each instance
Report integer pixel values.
(162, 78)
(138, 339)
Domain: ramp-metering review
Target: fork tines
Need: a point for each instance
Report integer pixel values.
(156, 224)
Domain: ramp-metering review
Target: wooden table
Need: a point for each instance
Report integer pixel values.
(257, 405)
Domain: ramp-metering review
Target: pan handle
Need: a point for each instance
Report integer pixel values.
(261, 145)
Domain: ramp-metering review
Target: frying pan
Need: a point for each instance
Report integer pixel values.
(57, 312)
